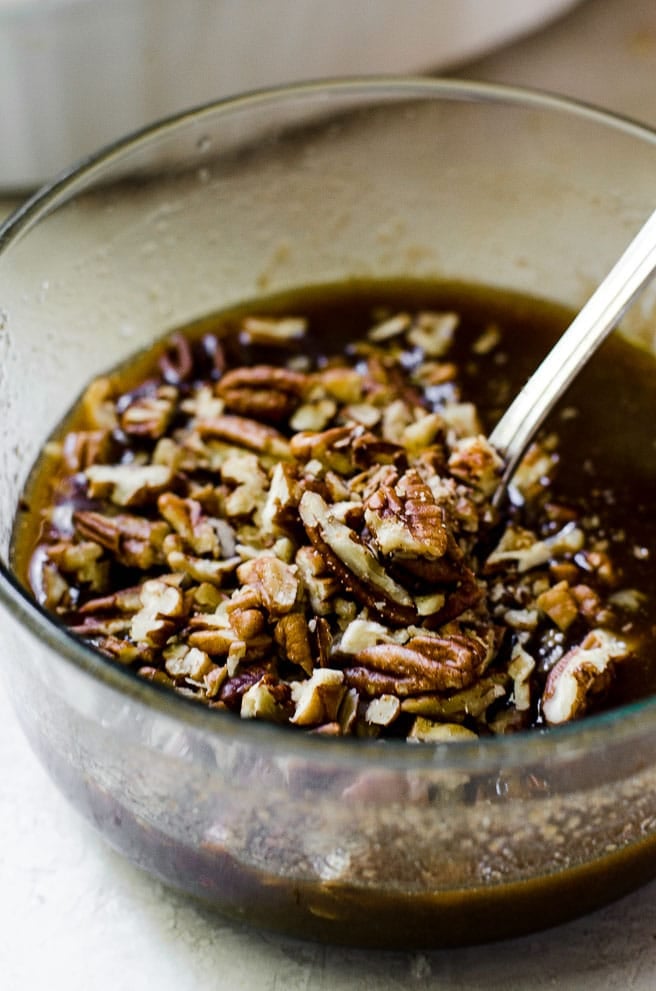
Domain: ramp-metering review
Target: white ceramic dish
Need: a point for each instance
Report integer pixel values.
(75, 74)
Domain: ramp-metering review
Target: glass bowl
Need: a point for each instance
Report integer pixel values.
(344, 841)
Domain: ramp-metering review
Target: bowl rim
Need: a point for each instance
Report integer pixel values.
(594, 732)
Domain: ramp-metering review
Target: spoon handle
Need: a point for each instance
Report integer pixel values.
(614, 295)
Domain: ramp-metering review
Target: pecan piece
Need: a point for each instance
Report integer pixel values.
(83, 448)
(148, 415)
(176, 363)
(345, 449)
(318, 699)
(273, 330)
(163, 611)
(292, 634)
(125, 600)
(318, 583)
(433, 332)
(274, 581)
(406, 520)
(233, 688)
(269, 698)
(132, 540)
(247, 623)
(245, 432)
(583, 672)
(83, 561)
(187, 519)
(473, 460)
(353, 563)
(130, 484)
(332, 447)
(182, 661)
(322, 638)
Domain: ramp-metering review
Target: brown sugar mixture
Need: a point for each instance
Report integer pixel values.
(285, 511)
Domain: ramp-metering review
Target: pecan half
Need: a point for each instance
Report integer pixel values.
(424, 664)
(264, 392)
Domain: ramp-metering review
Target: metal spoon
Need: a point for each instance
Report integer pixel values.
(610, 300)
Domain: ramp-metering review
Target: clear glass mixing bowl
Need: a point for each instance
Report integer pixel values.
(354, 841)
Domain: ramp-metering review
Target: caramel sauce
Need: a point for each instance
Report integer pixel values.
(606, 426)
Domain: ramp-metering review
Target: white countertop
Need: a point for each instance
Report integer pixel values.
(74, 916)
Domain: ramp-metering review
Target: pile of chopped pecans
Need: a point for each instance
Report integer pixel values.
(312, 542)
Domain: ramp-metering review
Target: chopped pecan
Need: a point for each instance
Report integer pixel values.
(130, 484)
(559, 604)
(163, 611)
(318, 699)
(322, 640)
(280, 508)
(390, 327)
(341, 383)
(149, 415)
(200, 569)
(187, 519)
(475, 461)
(520, 669)
(426, 731)
(433, 332)
(275, 582)
(98, 404)
(269, 698)
(469, 703)
(383, 710)
(126, 600)
(123, 651)
(353, 563)
(176, 363)
(405, 519)
(132, 540)
(583, 672)
(182, 661)
(292, 634)
(83, 448)
(273, 330)
(313, 416)
(244, 432)
(332, 447)
(233, 688)
(247, 623)
(242, 470)
(317, 581)
(83, 561)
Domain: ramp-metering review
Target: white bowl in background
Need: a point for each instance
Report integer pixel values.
(74, 74)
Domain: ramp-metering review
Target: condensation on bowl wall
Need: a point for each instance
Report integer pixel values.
(75, 74)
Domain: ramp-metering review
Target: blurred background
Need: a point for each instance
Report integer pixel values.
(75, 74)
